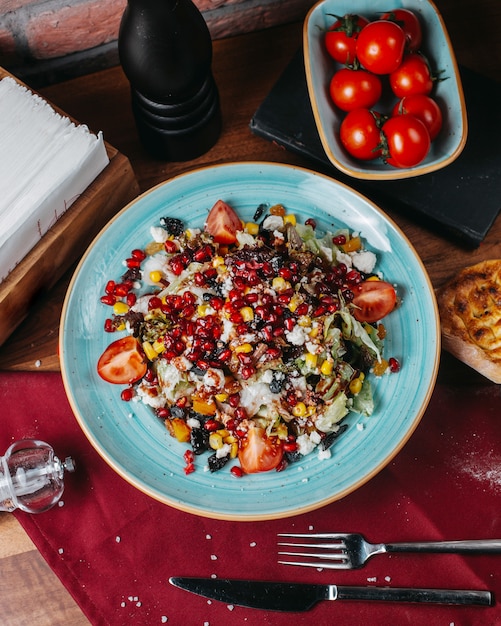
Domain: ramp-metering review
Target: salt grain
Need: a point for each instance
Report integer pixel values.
(164, 619)
(122, 604)
(38, 363)
(213, 557)
(117, 539)
(208, 537)
(230, 607)
(387, 578)
(373, 579)
(60, 550)
(252, 544)
(138, 604)
(60, 503)
(213, 575)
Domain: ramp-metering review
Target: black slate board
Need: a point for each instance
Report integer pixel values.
(461, 200)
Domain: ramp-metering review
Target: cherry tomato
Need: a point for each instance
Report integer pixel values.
(412, 77)
(373, 300)
(360, 134)
(407, 139)
(123, 362)
(424, 108)
(341, 38)
(258, 452)
(410, 24)
(380, 46)
(353, 89)
(223, 223)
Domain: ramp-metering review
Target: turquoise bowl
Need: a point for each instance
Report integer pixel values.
(448, 93)
(135, 443)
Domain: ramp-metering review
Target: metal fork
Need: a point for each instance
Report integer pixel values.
(351, 550)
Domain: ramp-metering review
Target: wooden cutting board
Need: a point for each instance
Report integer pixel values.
(68, 239)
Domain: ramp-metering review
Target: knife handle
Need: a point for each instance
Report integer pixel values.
(395, 594)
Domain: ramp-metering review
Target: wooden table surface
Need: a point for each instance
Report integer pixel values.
(245, 69)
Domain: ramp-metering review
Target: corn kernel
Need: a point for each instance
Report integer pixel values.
(380, 367)
(202, 309)
(221, 397)
(244, 347)
(121, 326)
(149, 350)
(299, 410)
(158, 346)
(310, 360)
(304, 320)
(279, 283)
(290, 218)
(247, 313)
(252, 228)
(155, 276)
(295, 301)
(282, 431)
(230, 439)
(326, 368)
(217, 261)
(314, 332)
(373, 278)
(233, 450)
(355, 386)
(120, 308)
(215, 441)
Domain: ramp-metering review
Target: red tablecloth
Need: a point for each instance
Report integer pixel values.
(114, 548)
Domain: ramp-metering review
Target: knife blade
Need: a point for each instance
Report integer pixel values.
(296, 597)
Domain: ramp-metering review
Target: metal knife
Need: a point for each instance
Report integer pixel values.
(295, 597)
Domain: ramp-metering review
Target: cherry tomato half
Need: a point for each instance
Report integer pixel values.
(373, 300)
(259, 452)
(360, 134)
(407, 139)
(424, 108)
(353, 89)
(410, 24)
(412, 77)
(123, 362)
(223, 223)
(341, 38)
(380, 46)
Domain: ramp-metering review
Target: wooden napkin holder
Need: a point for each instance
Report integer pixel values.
(67, 240)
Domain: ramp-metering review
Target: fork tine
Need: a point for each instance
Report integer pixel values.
(340, 545)
(318, 555)
(321, 565)
(314, 535)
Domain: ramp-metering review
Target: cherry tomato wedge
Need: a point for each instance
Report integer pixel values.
(223, 223)
(341, 38)
(408, 141)
(360, 134)
(123, 362)
(373, 300)
(410, 24)
(381, 46)
(353, 89)
(424, 108)
(258, 452)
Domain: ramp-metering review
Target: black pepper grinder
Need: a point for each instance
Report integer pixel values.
(165, 50)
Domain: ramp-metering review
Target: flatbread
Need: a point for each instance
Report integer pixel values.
(470, 316)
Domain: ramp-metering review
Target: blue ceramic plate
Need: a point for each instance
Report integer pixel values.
(136, 444)
(448, 93)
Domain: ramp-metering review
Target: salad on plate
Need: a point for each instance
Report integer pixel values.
(251, 341)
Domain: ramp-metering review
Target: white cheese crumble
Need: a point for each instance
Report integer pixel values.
(364, 261)
(159, 234)
(273, 222)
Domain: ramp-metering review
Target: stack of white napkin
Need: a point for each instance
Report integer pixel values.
(46, 162)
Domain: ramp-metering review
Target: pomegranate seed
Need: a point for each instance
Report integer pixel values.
(245, 359)
(203, 364)
(242, 329)
(132, 263)
(320, 310)
(176, 265)
(210, 272)
(302, 309)
(211, 425)
(182, 402)
(216, 303)
(311, 222)
(110, 287)
(251, 298)
(267, 332)
(189, 469)
(236, 317)
(290, 446)
(131, 299)
(282, 465)
(138, 254)
(247, 371)
(289, 323)
(285, 273)
(188, 456)
(394, 365)
(339, 240)
(292, 399)
(108, 299)
(188, 311)
(237, 471)
(241, 413)
(170, 246)
(342, 269)
(154, 303)
(127, 394)
(108, 326)
(234, 400)
(353, 277)
(199, 279)
(284, 298)
(273, 352)
(163, 412)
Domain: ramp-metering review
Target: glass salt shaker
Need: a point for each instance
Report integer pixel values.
(31, 476)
